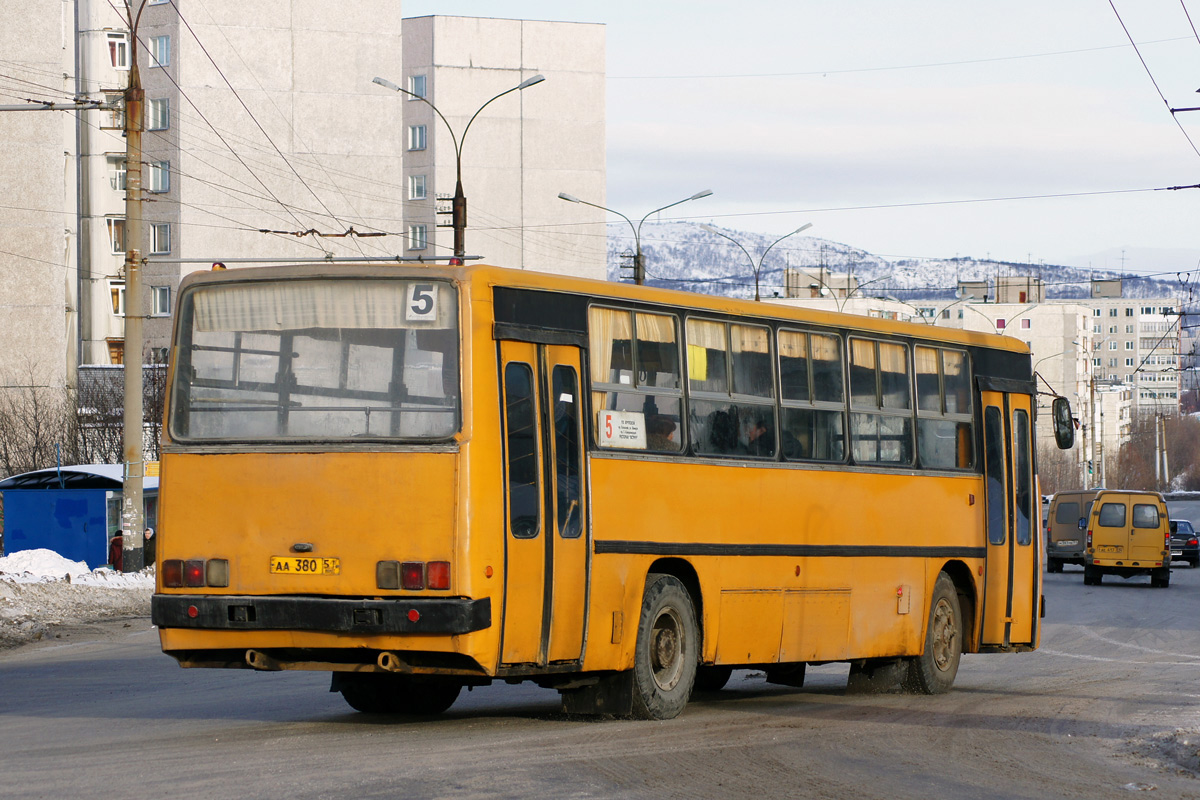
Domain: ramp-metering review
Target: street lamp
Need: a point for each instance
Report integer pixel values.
(757, 268)
(639, 267)
(459, 207)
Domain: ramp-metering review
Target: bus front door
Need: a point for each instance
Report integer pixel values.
(1012, 590)
(546, 543)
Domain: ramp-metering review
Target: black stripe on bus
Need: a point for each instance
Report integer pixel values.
(794, 550)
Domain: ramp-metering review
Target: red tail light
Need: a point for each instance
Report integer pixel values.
(172, 573)
(193, 572)
(439, 574)
(412, 575)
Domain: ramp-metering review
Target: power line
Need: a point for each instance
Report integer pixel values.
(1149, 74)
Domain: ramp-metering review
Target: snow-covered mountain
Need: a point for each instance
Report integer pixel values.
(684, 255)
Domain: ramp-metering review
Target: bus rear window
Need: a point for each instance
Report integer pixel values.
(317, 359)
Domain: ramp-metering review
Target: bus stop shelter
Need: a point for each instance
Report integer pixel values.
(73, 511)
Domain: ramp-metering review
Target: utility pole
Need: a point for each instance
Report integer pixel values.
(132, 522)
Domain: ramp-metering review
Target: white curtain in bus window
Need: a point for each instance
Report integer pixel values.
(319, 359)
(793, 366)
(636, 371)
(751, 357)
(864, 385)
(827, 368)
(893, 375)
(944, 424)
(706, 348)
(812, 426)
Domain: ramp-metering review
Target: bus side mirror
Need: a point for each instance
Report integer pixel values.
(1064, 426)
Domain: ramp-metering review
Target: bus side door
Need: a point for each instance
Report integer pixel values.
(1012, 593)
(546, 540)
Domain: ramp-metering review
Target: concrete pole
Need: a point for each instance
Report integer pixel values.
(132, 523)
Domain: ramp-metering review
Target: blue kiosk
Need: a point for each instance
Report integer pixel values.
(73, 511)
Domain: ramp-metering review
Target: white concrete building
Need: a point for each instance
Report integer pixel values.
(519, 153)
(37, 221)
(265, 138)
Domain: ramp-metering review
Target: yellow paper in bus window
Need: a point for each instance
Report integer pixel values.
(697, 362)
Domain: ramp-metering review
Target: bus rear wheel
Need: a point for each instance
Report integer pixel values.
(376, 693)
(934, 670)
(666, 651)
(711, 679)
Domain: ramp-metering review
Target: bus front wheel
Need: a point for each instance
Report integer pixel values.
(666, 651)
(933, 671)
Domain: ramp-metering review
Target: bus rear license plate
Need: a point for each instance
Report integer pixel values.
(288, 565)
(1109, 548)
(1069, 543)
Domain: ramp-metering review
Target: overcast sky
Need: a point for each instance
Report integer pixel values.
(875, 120)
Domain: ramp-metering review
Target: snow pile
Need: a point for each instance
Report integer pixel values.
(40, 589)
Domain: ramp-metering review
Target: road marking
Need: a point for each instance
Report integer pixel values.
(1083, 657)
(1107, 640)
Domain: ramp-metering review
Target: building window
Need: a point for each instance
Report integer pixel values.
(416, 137)
(116, 293)
(1129, 311)
(118, 50)
(116, 173)
(1095, 312)
(160, 176)
(1129, 329)
(416, 187)
(418, 237)
(1129, 345)
(1129, 362)
(160, 114)
(1112, 329)
(1025, 323)
(160, 51)
(116, 234)
(416, 85)
(1112, 312)
(160, 238)
(160, 299)
(1097, 329)
(1112, 345)
(1095, 362)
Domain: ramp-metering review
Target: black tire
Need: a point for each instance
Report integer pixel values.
(1092, 576)
(666, 651)
(1054, 565)
(933, 671)
(377, 693)
(711, 679)
(1194, 563)
(1161, 578)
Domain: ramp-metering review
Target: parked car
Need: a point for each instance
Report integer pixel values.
(1128, 535)
(1064, 537)
(1184, 544)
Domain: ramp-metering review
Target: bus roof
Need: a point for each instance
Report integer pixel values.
(488, 275)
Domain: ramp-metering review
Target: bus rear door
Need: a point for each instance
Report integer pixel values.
(1013, 578)
(546, 540)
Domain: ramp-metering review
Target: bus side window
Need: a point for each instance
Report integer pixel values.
(810, 377)
(520, 426)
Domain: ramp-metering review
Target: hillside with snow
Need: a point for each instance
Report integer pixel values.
(683, 255)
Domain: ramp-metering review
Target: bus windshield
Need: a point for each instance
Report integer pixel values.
(324, 359)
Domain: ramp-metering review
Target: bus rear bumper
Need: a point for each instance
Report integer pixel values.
(415, 615)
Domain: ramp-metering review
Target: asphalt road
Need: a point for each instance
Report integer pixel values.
(1107, 707)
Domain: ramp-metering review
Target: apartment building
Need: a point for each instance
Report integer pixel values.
(521, 151)
(265, 138)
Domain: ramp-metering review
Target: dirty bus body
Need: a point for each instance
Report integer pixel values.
(420, 479)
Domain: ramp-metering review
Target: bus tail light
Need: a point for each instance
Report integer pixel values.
(439, 574)
(195, 572)
(412, 575)
(1089, 539)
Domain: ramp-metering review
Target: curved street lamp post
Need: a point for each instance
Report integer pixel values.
(757, 268)
(639, 266)
(459, 207)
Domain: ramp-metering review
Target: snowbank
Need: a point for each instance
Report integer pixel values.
(40, 589)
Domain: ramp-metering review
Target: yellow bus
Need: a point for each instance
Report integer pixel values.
(419, 479)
